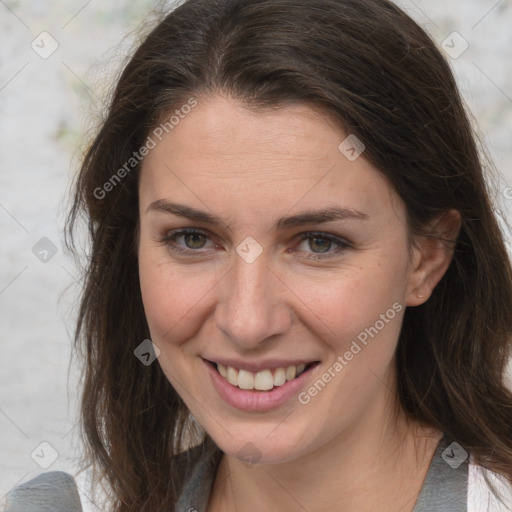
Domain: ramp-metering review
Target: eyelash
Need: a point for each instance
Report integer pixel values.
(170, 239)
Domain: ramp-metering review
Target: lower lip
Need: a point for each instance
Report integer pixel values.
(257, 401)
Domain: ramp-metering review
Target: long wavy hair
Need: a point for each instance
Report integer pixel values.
(376, 71)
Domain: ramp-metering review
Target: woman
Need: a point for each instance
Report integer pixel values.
(298, 296)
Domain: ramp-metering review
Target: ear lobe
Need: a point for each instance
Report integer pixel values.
(432, 255)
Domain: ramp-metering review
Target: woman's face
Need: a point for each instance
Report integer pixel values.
(298, 262)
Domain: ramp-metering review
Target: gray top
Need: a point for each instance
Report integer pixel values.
(55, 491)
(445, 487)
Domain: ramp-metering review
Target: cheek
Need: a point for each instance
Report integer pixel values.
(173, 300)
(359, 318)
(346, 304)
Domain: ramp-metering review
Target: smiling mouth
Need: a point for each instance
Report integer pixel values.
(265, 380)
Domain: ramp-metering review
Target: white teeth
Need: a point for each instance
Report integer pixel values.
(245, 379)
(222, 370)
(279, 377)
(291, 371)
(264, 380)
(232, 376)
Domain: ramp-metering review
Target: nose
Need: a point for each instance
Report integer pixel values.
(252, 304)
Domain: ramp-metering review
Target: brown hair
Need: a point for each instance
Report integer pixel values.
(372, 67)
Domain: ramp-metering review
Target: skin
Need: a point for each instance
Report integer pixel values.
(350, 448)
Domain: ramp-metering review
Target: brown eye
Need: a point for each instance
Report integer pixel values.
(194, 240)
(319, 244)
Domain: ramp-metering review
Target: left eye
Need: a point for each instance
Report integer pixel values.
(320, 243)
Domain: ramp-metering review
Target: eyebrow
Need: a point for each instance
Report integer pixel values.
(307, 217)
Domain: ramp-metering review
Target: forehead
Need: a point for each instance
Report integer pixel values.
(249, 159)
(221, 127)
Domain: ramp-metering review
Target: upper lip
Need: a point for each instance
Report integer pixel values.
(257, 366)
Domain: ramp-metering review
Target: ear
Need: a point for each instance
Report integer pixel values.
(431, 256)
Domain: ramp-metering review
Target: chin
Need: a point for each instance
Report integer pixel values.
(254, 445)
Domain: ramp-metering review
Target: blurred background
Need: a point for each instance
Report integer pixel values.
(57, 61)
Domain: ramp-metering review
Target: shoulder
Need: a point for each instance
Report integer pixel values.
(49, 492)
(487, 491)
(57, 491)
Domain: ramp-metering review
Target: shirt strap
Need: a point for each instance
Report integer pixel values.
(445, 488)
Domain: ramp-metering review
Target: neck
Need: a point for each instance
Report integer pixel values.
(379, 463)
